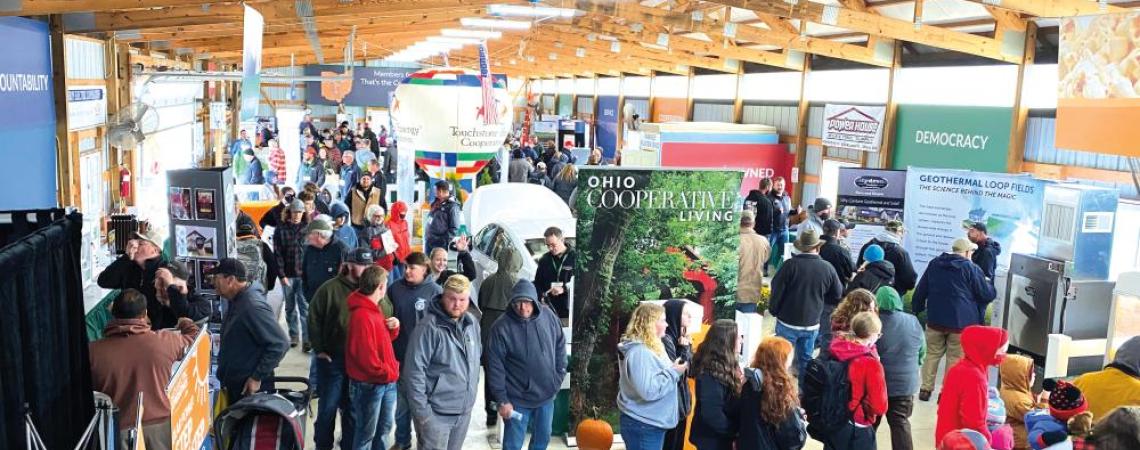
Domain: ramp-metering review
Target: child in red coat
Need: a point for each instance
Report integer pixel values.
(868, 384)
(964, 399)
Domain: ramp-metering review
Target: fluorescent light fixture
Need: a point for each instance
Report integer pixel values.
(494, 24)
(580, 52)
(530, 11)
(477, 34)
(454, 40)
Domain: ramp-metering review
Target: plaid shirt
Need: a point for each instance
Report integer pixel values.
(288, 245)
(1080, 443)
(277, 163)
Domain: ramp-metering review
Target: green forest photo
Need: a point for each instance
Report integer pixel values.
(645, 234)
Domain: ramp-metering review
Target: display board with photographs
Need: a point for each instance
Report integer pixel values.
(201, 220)
(196, 242)
(206, 207)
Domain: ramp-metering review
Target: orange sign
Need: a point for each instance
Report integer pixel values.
(189, 394)
(670, 110)
(1098, 98)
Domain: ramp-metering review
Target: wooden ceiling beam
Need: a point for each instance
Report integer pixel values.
(715, 29)
(1053, 8)
(283, 39)
(542, 50)
(275, 12)
(883, 26)
(676, 53)
(46, 7)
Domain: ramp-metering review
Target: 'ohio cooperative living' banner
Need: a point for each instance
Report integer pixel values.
(29, 137)
(954, 137)
(939, 202)
(1098, 93)
(645, 234)
(870, 198)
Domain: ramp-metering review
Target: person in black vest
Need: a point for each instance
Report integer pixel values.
(835, 253)
(555, 270)
(891, 242)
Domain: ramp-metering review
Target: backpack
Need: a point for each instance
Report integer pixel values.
(826, 391)
(249, 253)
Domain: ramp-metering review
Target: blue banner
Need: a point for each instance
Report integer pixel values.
(369, 86)
(939, 202)
(607, 125)
(29, 135)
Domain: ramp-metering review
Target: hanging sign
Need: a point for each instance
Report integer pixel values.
(853, 127)
(252, 29)
(86, 107)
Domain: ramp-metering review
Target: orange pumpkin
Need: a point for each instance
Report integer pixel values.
(594, 434)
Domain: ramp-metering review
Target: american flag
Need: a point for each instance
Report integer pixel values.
(487, 82)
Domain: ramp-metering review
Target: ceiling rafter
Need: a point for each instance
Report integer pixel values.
(45, 7)
(883, 26)
(281, 39)
(604, 57)
(1052, 8)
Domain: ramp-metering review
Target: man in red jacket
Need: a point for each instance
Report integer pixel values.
(370, 361)
(964, 400)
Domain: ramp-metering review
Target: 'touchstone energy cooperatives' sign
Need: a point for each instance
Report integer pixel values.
(953, 137)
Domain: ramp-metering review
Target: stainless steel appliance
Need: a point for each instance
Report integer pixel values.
(1044, 299)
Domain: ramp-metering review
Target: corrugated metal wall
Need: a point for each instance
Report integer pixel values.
(585, 105)
(712, 112)
(783, 117)
(1040, 147)
(641, 105)
(85, 59)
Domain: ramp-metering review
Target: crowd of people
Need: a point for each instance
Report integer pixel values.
(398, 339)
(847, 354)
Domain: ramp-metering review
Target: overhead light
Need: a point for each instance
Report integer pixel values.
(455, 40)
(530, 11)
(478, 34)
(494, 24)
(580, 52)
(615, 47)
(553, 56)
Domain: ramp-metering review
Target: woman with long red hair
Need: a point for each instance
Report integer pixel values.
(770, 414)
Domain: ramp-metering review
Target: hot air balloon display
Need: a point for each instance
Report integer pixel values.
(454, 119)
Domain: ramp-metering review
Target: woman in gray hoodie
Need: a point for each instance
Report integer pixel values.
(647, 396)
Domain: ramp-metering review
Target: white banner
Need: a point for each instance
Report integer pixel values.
(86, 107)
(253, 27)
(854, 127)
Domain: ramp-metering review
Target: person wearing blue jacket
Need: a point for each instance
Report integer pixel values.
(349, 174)
(322, 257)
(252, 344)
(342, 229)
(954, 293)
(526, 364)
(647, 387)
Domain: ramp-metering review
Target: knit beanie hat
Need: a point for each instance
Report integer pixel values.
(964, 439)
(1065, 399)
(995, 412)
(873, 253)
(1001, 438)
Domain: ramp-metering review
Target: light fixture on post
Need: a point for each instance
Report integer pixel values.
(530, 11)
(494, 24)
(475, 34)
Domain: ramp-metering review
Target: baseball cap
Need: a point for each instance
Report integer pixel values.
(847, 224)
(831, 226)
(229, 267)
(976, 226)
(821, 204)
(318, 225)
(245, 229)
(361, 256)
(151, 235)
(895, 226)
(963, 245)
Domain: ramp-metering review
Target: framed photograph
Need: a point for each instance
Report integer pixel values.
(207, 208)
(180, 203)
(192, 272)
(203, 267)
(195, 242)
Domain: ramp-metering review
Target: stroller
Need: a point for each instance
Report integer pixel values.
(266, 420)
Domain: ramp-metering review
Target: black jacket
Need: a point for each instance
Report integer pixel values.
(526, 358)
(552, 269)
(252, 343)
(800, 289)
(986, 257)
(874, 276)
(123, 273)
(272, 218)
(319, 265)
(765, 212)
(195, 306)
(716, 420)
(674, 349)
(905, 276)
(409, 304)
(755, 433)
(839, 258)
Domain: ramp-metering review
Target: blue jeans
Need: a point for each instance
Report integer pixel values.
(374, 408)
(295, 302)
(746, 308)
(515, 430)
(403, 421)
(802, 341)
(333, 391)
(640, 436)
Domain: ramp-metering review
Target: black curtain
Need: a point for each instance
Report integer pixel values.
(44, 367)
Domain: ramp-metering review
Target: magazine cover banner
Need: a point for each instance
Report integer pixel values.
(941, 202)
(645, 234)
(869, 198)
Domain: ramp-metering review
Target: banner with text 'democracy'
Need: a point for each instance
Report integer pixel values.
(939, 203)
(646, 235)
(953, 137)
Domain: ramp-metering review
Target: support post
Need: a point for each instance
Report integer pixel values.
(1016, 155)
(886, 147)
(67, 158)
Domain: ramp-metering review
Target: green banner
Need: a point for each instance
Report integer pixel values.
(565, 105)
(953, 137)
(646, 235)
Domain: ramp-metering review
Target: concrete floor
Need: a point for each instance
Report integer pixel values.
(296, 363)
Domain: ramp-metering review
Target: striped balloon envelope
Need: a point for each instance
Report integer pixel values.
(454, 119)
